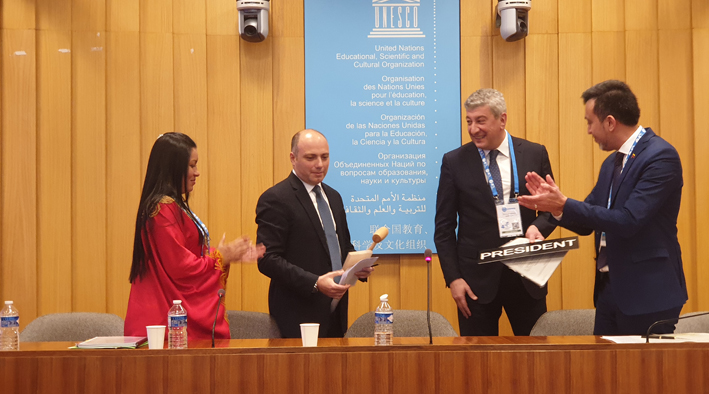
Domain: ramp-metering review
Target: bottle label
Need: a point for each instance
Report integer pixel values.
(9, 321)
(178, 321)
(383, 318)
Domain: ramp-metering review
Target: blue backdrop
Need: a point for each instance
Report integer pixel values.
(382, 82)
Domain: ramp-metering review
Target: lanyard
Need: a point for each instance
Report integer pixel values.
(202, 230)
(488, 174)
(625, 160)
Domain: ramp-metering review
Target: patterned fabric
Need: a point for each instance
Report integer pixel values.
(495, 172)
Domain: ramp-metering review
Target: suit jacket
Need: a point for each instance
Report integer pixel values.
(297, 254)
(644, 257)
(466, 202)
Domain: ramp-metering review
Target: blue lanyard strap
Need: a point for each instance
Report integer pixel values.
(203, 231)
(488, 174)
(625, 160)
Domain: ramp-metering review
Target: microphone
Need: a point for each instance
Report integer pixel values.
(648, 334)
(427, 255)
(220, 293)
(378, 236)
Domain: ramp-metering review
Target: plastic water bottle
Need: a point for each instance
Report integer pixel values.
(9, 327)
(177, 326)
(383, 323)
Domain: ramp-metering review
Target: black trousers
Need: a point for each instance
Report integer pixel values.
(522, 309)
(611, 321)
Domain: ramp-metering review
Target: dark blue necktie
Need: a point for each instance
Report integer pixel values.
(496, 177)
(602, 259)
(329, 228)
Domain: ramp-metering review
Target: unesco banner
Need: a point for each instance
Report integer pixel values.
(382, 82)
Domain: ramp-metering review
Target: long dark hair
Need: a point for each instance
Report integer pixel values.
(166, 175)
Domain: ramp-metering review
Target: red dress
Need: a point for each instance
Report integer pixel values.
(177, 271)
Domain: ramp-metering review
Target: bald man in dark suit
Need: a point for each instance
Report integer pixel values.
(303, 225)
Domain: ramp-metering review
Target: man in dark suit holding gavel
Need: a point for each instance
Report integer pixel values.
(303, 225)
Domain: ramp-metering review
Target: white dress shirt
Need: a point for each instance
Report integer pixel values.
(505, 165)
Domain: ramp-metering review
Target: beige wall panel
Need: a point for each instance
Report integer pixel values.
(88, 15)
(642, 73)
(224, 141)
(575, 173)
(575, 16)
(289, 103)
(700, 42)
(476, 20)
(53, 14)
(412, 274)
(359, 301)
(54, 172)
(222, 17)
(641, 14)
(123, 15)
(674, 14)
(156, 16)
(257, 155)
(700, 14)
(542, 93)
(190, 67)
(608, 15)
(441, 299)
(386, 280)
(123, 181)
(189, 16)
(542, 109)
(89, 171)
(544, 17)
(156, 91)
(18, 195)
(476, 71)
(676, 126)
(287, 19)
(18, 14)
(608, 63)
(508, 78)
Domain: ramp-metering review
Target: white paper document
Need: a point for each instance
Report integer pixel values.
(664, 338)
(355, 257)
(538, 269)
(349, 277)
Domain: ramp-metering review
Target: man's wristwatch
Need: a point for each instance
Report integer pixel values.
(315, 287)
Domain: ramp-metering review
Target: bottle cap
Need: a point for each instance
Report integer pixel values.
(177, 302)
(8, 302)
(384, 298)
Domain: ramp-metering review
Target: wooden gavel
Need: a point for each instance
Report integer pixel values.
(378, 236)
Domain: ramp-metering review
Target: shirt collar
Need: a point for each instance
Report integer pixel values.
(625, 148)
(308, 187)
(504, 147)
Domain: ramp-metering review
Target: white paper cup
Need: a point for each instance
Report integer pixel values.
(156, 337)
(309, 334)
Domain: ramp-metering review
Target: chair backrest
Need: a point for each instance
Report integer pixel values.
(565, 322)
(693, 324)
(74, 327)
(252, 325)
(407, 323)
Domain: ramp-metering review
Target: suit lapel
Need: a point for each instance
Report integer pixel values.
(304, 198)
(639, 148)
(520, 155)
(474, 171)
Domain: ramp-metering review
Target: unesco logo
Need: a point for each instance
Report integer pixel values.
(396, 19)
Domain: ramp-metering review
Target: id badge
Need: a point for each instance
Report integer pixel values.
(509, 220)
(603, 239)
